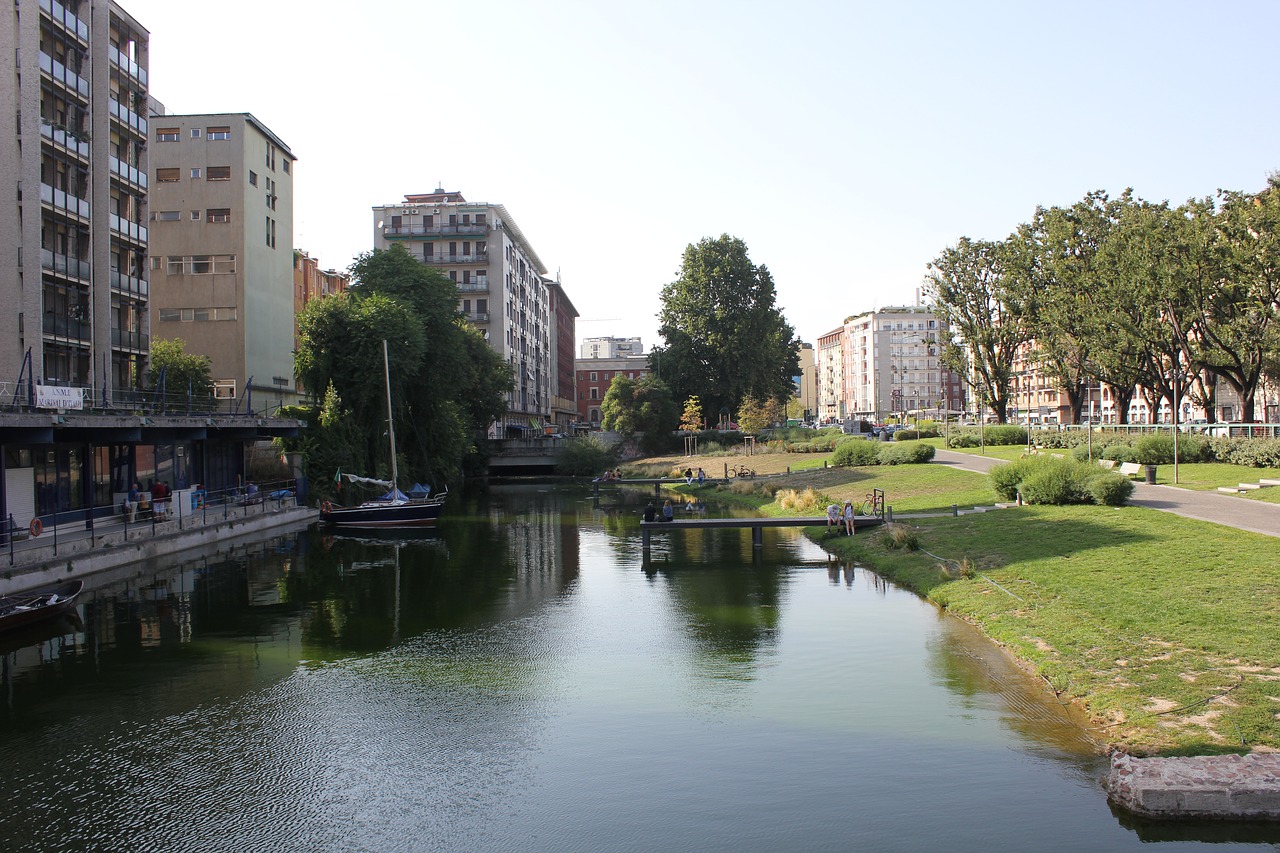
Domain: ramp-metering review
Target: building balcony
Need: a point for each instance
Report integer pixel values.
(66, 140)
(402, 232)
(129, 284)
(67, 328)
(440, 260)
(129, 174)
(130, 230)
(477, 316)
(65, 265)
(59, 73)
(127, 117)
(64, 202)
(58, 14)
(127, 65)
(479, 286)
(124, 339)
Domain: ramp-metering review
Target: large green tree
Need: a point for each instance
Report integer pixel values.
(724, 337)
(987, 317)
(447, 384)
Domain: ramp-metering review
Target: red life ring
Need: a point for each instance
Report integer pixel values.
(326, 507)
(37, 527)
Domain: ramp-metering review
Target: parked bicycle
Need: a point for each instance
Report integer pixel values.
(741, 471)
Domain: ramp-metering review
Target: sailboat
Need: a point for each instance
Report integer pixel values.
(395, 508)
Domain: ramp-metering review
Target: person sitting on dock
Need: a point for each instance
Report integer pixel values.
(848, 518)
(668, 511)
(702, 476)
(833, 518)
(650, 512)
(688, 476)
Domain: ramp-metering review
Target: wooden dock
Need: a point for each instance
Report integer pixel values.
(656, 482)
(757, 525)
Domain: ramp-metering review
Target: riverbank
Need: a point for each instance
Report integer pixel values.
(81, 553)
(1157, 626)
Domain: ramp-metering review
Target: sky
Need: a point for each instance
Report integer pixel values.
(846, 143)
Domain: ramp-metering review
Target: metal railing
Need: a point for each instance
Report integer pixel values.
(100, 526)
(424, 230)
(174, 403)
(477, 258)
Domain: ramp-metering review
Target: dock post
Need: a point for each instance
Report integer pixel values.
(657, 489)
(644, 539)
(955, 510)
(888, 514)
(596, 488)
(757, 536)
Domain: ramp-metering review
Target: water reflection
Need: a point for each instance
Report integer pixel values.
(520, 679)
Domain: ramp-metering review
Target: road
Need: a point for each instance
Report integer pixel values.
(1241, 513)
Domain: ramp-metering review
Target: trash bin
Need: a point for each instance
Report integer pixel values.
(1151, 474)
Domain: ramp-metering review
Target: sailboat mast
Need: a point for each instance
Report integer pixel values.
(391, 427)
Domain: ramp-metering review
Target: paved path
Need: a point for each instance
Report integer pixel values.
(1241, 513)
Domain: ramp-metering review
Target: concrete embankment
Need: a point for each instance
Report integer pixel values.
(1218, 787)
(82, 554)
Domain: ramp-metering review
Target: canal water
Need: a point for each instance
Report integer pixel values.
(524, 680)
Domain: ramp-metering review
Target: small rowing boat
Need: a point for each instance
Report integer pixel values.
(25, 608)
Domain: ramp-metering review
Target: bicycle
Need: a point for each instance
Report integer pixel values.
(741, 471)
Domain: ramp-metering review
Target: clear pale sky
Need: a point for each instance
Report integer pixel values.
(847, 143)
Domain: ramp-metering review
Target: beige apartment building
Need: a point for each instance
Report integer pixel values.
(310, 283)
(222, 263)
(73, 230)
(503, 289)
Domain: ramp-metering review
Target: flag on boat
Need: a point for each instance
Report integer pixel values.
(337, 478)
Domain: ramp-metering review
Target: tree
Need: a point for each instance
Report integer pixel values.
(985, 314)
(756, 415)
(642, 405)
(691, 418)
(186, 375)
(724, 338)
(447, 384)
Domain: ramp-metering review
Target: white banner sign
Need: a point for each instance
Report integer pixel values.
(59, 397)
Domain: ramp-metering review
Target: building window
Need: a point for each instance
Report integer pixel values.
(219, 173)
(195, 173)
(218, 214)
(593, 376)
(167, 176)
(167, 134)
(253, 178)
(271, 232)
(217, 133)
(285, 165)
(169, 215)
(195, 215)
(595, 393)
(195, 133)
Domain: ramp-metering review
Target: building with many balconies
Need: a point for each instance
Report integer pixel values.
(502, 284)
(73, 238)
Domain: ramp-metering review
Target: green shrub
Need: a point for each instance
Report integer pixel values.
(906, 435)
(1154, 449)
(583, 456)
(1005, 478)
(908, 453)
(1056, 482)
(1253, 452)
(855, 451)
(1118, 453)
(1006, 434)
(1194, 448)
(964, 439)
(1110, 488)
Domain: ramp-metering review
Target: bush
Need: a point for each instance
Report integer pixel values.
(1006, 434)
(798, 501)
(584, 456)
(1118, 453)
(964, 439)
(907, 435)
(1056, 482)
(1110, 488)
(855, 451)
(1005, 478)
(1253, 452)
(1154, 449)
(909, 453)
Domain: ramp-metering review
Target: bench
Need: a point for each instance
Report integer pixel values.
(1130, 468)
(1107, 463)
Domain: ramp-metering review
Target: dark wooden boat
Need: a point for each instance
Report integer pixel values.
(25, 608)
(385, 514)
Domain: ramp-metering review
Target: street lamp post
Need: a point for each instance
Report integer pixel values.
(1176, 400)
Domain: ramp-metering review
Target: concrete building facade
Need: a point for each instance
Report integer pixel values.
(502, 284)
(610, 347)
(222, 265)
(311, 283)
(564, 404)
(73, 231)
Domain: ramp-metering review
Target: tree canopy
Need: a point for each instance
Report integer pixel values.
(186, 375)
(447, 384)
(724, 337)
(643, 405)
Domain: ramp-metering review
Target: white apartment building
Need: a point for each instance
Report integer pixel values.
(73, 233)
(501, 282)
(886, 363)
(222, 250)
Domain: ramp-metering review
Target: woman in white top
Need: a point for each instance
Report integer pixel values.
(848, 518)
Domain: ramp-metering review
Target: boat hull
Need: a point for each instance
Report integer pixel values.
(413, 514)
(28, 608)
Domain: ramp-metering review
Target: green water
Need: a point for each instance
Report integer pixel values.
(525, 681)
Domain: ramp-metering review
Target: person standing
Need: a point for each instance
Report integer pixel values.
(848, 518)
(131, 502)
(668, 511)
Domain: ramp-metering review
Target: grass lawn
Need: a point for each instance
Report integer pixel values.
(1163, 628)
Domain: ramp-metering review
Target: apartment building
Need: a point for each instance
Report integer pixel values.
(564, 404)
(502, 286)
(73, 233)
(600, 361)
(887, 363)
(222, 264)
(807, 381)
